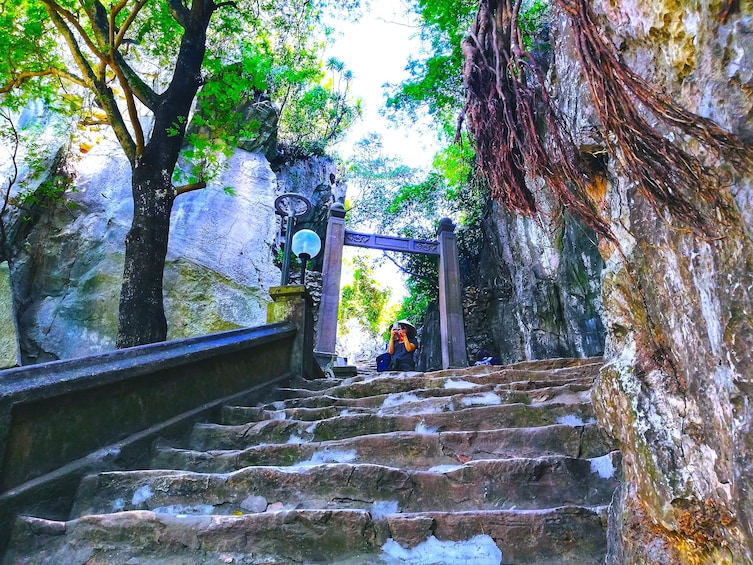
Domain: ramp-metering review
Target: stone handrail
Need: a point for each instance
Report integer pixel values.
(62, 419)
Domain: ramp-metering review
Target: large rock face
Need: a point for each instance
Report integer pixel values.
(537, 289)
(219, 264)
(67, 259)
(676, 388)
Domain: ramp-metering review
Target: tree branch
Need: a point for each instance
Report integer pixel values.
(71, 19)
(189, 187)
(178, 11)
(103, 93)
(140, 89)
(131, 105)
(128, 21)
(431, 281)
(20, 78)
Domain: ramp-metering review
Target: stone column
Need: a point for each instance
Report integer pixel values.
(451, 326)
(292, 303)
(326, 329)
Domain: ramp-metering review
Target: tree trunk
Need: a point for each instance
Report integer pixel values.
(141, 317)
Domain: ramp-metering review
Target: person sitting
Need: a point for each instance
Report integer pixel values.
(402, 345)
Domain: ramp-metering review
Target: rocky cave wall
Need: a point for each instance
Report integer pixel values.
(678, 309)
(67, 256)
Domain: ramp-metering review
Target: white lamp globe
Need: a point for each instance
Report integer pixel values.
(306, 242)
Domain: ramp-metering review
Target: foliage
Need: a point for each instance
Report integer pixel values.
(251, 47)
(393, 198)
(364, 300)
(435, 81)
(422, 286)
(28, 190)
(322, 111)
(406, 202)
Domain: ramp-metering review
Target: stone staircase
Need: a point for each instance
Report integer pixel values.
(485, 465)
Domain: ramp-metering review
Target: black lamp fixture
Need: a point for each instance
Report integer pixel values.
(306, 245)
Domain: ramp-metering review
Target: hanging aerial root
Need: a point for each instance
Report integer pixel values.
(667, 173)
(729, 7)
(507, 100)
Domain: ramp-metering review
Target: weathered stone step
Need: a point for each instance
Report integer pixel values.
(289, 398)
(405, 449)
(412, 402)
(467, 378)
(206, 437)
(501, 484)
(560, 536)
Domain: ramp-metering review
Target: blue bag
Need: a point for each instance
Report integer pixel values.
(383, 361)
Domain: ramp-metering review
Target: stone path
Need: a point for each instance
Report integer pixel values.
(485, 465)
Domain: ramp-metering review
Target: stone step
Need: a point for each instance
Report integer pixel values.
(288, 398)
(215, 436)
(487, 465)
(405, 449)
(559, 536)
(412, 402)
(520, 483)
(461, 380)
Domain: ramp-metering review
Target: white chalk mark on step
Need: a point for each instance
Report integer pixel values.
(603, 466)
(186, 509)
(573, 420)
(384, 507)
(422, 428)
(400, 398)
(333, 456)
(445, 468)
(142, 494)
(485, 399)
(479, 550)
(452, 383)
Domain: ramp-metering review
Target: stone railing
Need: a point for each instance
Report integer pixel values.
(63, 419)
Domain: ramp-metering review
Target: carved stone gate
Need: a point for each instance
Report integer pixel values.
(452, 331)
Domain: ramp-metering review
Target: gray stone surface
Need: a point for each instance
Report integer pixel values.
(537, 289)
(68, 255)
(10, 354)
(676, 388)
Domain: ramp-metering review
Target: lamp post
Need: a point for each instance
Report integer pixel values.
(306, 245)
(290, 206)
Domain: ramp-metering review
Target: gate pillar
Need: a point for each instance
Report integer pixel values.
(326, 328)
(452, 330)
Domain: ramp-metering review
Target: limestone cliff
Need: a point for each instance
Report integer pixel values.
(676, 387)
(67, 255)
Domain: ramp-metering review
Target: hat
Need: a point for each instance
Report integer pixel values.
(411, 327)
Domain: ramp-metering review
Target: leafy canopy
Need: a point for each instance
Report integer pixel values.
(273, 47)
